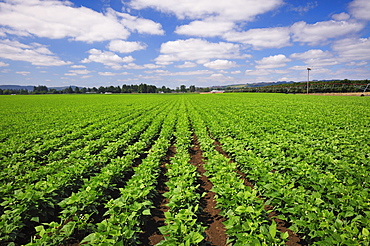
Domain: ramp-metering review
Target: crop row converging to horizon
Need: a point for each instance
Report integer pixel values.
(272, 169)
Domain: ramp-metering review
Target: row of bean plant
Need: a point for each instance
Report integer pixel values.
(80, 207)
(315, 178)
(126, 214)
(182, 225)
(35, 203)
(246, 220)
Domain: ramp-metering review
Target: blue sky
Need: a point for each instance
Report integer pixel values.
(173, 42)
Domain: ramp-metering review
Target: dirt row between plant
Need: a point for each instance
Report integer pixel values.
(281, 225)
(151, 234)
(113, 194)
(210, 217)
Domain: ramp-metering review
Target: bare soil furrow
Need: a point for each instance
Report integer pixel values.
(151, 234)
(209, 216)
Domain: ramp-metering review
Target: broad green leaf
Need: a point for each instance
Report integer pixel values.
(365, 232)
(272, 229)
(35, 219)
(284, 235)
(146, 212)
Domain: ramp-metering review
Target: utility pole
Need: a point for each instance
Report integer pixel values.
(308, 77)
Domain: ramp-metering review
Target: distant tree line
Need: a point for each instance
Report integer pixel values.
(141, 88)
(314, 87)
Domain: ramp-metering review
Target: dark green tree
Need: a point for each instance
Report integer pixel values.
(182, 88)
(69, 90)
(143, 88)
(41, 89)
(101, 89)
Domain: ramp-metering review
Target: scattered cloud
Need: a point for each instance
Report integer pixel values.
(264, 72)
(198, 50)
(60, 19)
(125, 47)
(360, 9)
(77, 72)
(220, 64)
(361, 63)
(187, 64)
(341, 17)
(24, 73)
(234, 10)
(316, 57)
(218, 37)
(205, 28)
(34, 53)
(112, 74)
(304, 8)
(78, 66)
(236, 72)
(5, 31)
(107, 58)
(276, 37)
(151, 66)
(132, 65)
(187, 73)
(352, 49)
(86, 76)
(272, 62)
(3, 64)
(136, 24)
(320, 32)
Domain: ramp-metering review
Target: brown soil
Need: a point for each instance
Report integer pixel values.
(209, 216)
(282, 226)
(151, 234)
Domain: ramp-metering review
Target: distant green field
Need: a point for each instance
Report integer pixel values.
(89, 168)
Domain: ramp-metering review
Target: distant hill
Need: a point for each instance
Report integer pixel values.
(30, 87)
(17, 87)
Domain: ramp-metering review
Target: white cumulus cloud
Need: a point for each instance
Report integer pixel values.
(107, 58)
(59, 19)
(77, 72)
(275, 37)
(201, 9)
(360, 9)
(24, 73)
(78, 66)
(34, 53)
(351, 49)
(205, 28)
(316, 57)
(125, 46)
(198, 50)
(3, 64)
(220, 64)
(322, 31)
(341, 17)
(272, 62)
(107, 74)
(187, 64)
(140, 25)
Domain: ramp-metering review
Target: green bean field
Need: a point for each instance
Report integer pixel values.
(184, 169)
